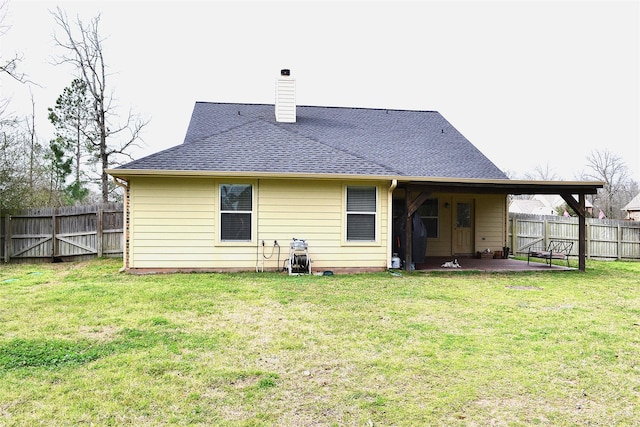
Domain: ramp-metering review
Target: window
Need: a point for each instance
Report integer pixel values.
(236, 209)
(463, 215)
(361, 214)
(429, 214)
(428, 211)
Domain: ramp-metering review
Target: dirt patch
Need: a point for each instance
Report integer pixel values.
(525, 288)
(99, 333)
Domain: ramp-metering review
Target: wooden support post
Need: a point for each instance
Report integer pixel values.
(408, 235)
(579, 208)
(582, 227)
(411, 207)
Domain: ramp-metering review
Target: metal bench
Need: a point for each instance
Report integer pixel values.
(556, 250)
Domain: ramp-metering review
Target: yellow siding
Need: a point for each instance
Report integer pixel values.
(441, 246)
(173, 225)
(314, 211)
(491, 222)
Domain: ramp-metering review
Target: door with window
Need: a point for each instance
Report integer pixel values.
(463, 232)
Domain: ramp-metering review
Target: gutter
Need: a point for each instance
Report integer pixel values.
(394, 184)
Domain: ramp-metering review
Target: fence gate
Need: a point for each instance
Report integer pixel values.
(72, 233)
(29, 236)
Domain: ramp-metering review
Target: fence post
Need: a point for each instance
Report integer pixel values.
(619, 245)
(547, 231)
(99, 231)
(54, 239)
(588, 237)
(7, 238)
(514, 234)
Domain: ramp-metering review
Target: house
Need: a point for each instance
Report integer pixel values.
(249, 178)
(542, 204)
(531, 206)
(633, 209)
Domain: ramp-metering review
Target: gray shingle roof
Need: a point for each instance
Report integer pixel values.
(634, 204)
(325, 140)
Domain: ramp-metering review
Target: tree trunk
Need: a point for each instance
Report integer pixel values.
(104, 157)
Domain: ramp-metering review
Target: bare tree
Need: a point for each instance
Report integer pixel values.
(9, 66)
(603, 165)
(543, 173)
(82, 47)
(24, 177)
(21, 171)
(540, 173)
(34, 146)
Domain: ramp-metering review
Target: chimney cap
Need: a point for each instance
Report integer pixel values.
(285, 72)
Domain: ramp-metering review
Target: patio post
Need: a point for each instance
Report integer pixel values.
(582, 234)
(579, 208)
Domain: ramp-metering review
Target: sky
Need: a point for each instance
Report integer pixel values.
(532, 84)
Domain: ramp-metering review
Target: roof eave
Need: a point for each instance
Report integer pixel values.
(128, 173)
(444, 183)
(508, 186)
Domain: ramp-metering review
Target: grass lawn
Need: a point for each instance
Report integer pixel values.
(81, 344)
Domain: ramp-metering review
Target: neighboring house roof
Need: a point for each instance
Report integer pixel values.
(633, 205)
(225, 137)
(530, 206)
(551, 200)
(555, 200)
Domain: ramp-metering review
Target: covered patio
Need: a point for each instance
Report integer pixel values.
(491, 265)
(418, 191)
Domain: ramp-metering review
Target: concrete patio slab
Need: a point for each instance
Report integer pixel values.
(488, 265)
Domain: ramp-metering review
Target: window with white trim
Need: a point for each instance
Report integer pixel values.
(361, 214)
(236, 211)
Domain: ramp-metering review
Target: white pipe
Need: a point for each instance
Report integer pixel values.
(125, 213)
(394, 184)
(257, 224)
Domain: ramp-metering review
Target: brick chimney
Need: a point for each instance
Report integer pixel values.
(285, 97)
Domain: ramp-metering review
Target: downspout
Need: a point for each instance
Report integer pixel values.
(394, 184)
(257, 197)
(125, 223)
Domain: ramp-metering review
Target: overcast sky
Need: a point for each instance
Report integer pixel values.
(540, 83)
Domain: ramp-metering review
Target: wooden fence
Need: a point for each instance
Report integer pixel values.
(605, 239)
(61, 234)
(83, 232)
